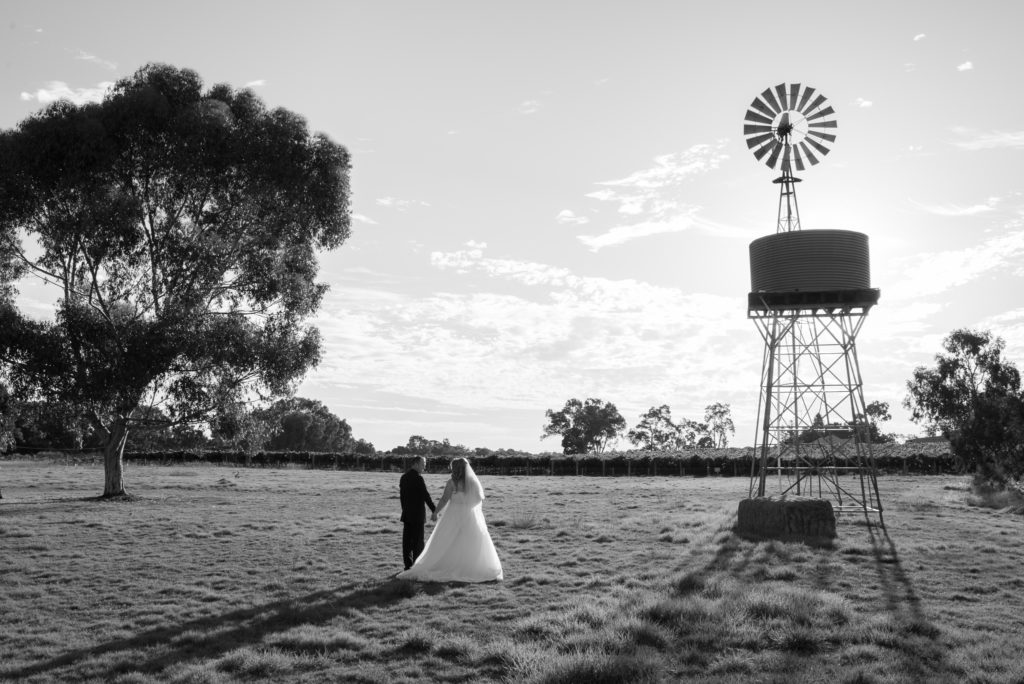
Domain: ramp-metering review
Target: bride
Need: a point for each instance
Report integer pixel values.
(460, 548)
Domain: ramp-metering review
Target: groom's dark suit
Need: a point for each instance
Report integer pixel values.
(412, 490)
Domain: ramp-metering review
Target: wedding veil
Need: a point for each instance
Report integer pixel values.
(474, 490)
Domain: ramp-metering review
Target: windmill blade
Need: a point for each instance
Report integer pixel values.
(780, 90)
(797, 158)
(756, 140)
(824, 124)
(807, 153)
(764, 149)
(814, 105)
(754, 116)
(802, 107)
(772, 102)
(773, 158)
(794, 90)
(824, 112)
(762, 107)
(827, 137)
(818, 146)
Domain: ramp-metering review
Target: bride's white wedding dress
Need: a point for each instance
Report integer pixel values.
(460, 547)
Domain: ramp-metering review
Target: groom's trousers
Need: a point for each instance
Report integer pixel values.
(412, 542)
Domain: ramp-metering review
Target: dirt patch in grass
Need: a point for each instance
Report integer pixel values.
(213, 574)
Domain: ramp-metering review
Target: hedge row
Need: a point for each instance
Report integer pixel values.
(922, 459)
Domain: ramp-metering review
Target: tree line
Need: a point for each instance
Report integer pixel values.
(919, 457)
(294, 424)
(591, 425)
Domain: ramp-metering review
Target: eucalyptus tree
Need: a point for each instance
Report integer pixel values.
(718, 418)
(299, 424)
(973, 397)
(584, 426)
(180, 230)
(656, 429)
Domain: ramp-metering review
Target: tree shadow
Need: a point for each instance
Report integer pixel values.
(176, 644)
(11, 506)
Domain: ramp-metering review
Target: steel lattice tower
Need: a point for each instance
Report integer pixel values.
(810, 293)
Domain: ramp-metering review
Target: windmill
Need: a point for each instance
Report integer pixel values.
(810, 294)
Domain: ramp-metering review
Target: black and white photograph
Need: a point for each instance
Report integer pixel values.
(486, 341)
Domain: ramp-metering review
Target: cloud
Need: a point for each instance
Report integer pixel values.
(566, 333)
(675, 224)
(956, 209)
(523, 272)
(651, 197)
(929, 274)
(59, 90)
(990, 140)
(670, 169)
(529, 107)
(364, 219)
(648, 191)
(966, 66)
(86, 57)
(919, 37)
(621, 234)
(861, 102)
(567, 216)
(400, 204)
(259, 82)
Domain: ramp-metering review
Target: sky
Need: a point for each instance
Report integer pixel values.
(554, 200)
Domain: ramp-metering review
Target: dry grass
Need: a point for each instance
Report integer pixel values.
(220, 575)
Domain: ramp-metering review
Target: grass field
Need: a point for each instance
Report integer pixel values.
(219, 575)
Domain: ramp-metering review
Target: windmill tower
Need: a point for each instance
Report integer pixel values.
(810, 293)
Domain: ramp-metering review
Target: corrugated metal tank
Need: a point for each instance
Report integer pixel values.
(810, 260)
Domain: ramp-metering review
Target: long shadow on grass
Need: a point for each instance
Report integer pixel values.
(925, 656)
(212, 636)
(921, 656)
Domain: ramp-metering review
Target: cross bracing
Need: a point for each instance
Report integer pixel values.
(812, 431)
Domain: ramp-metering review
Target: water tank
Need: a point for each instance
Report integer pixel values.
(810, 260)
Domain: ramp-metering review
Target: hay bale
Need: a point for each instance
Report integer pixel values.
(790, 519)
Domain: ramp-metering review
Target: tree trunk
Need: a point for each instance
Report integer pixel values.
(113, 460)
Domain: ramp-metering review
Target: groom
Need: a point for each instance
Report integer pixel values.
(412, 490)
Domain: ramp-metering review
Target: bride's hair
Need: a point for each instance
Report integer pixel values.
(458, 467)
(465, 480)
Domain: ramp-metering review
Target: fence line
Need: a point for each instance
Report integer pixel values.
(923, 459)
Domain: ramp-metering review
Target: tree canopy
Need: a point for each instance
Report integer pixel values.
(973, 397)
(584, 426)
(656, 429)
(179, 229)
(299, 424)
(718, 418)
